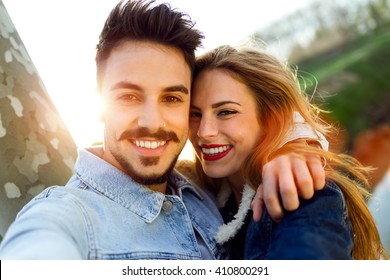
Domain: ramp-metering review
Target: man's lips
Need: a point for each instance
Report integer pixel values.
(215, 151)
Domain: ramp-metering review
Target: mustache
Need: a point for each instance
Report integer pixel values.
(161, 134)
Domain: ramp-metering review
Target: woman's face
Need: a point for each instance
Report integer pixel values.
(224, 127)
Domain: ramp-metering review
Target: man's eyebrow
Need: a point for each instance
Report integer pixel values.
(180, 88)
(129, 85)
(122, 85)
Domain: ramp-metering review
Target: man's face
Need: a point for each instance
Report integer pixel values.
(146, 97)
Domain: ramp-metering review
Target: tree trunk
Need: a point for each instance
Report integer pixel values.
(36, 149)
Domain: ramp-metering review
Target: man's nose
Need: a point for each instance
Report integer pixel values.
(151, 117)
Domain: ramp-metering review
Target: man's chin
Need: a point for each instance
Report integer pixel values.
(150, 171)
(153, 179)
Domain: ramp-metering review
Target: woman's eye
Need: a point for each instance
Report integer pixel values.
(195, 115)
(226, 113)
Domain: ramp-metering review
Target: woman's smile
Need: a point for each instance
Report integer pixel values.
(215, 151)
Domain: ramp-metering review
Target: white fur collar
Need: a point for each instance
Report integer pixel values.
(229, 230)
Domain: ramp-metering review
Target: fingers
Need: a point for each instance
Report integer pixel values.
(287, 178)
(303, 178)
(257, 204)
(271, 190)
(287, 185)
(317, 171)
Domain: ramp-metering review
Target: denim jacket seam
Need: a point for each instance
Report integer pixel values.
(87, 221)
(334, 187)
(89, 226)
(75, 201)
(192, 227)
(45, 193)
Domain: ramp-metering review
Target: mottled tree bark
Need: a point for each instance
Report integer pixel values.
(36, 149)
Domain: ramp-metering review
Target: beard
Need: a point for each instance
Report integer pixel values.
(136, 174)
(147, 180)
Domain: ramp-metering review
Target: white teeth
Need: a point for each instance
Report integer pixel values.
(214, 151)
(149, 144)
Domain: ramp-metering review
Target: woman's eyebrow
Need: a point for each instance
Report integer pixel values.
(216, 105)
(219, 104)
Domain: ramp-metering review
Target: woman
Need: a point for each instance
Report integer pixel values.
(242, 106)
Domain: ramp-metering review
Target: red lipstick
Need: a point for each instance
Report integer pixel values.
(215, 156)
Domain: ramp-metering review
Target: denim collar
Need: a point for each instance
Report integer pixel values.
(111, 182)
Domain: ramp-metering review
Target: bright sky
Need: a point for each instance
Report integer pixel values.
(60, 37)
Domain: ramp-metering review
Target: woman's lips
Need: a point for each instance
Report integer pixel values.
(215, 151)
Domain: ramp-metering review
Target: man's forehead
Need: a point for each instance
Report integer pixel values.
(144, 49)
(147, 63)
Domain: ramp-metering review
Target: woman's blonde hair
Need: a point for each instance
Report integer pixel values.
(278, 95)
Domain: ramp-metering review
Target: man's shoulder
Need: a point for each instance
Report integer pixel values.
(67, 198)
(53, 198)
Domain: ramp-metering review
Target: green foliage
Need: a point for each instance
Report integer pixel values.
(363, 102)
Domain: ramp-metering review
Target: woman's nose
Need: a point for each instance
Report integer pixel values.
(208, 128)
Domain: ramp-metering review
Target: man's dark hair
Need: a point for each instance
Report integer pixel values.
(143, 20)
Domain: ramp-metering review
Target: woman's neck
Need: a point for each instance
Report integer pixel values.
(236, 183)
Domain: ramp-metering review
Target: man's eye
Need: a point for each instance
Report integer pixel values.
(127, 97)
(172, 99)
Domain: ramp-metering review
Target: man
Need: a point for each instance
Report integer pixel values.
(125, 200)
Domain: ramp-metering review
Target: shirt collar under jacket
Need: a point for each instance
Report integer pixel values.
(111, 182)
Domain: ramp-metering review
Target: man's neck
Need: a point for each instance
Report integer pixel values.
(162, 188)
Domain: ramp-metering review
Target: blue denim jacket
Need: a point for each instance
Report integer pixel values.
(102, 214)
(319, 229)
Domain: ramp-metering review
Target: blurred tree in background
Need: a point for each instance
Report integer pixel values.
(36, 149)
(342, 51)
